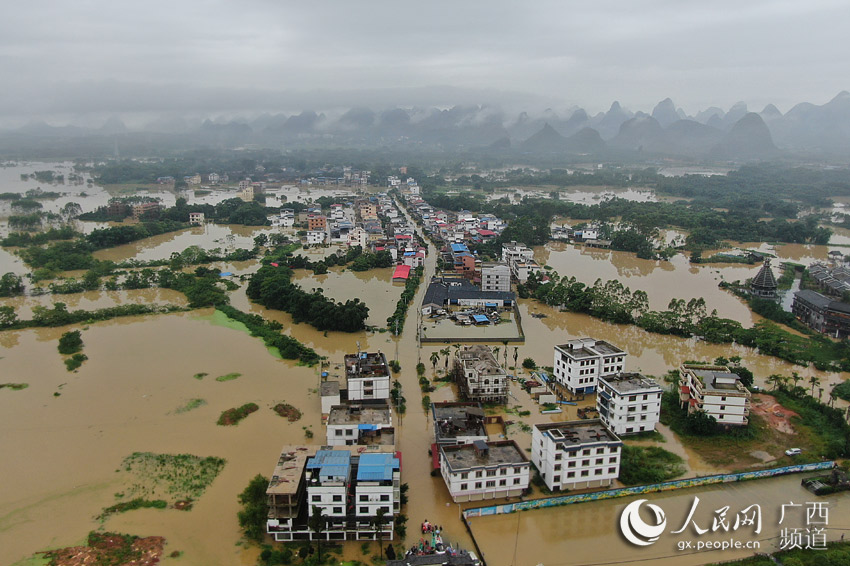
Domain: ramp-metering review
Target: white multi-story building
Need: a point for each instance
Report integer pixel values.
(479, 375)
(328, 479)
(196, 218)
(715, 390)
(523, 269)
(367, 376)
(316, 236)
(516, 252)
(347, 487)
(358, 237)
(575, 454)
(495, 277)
(350, 425)
(628, 403)
(484, 470)
(378, 486)
(579, 363)
(286, 219)
(520, 259)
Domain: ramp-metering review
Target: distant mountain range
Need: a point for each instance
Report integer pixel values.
(806, 130)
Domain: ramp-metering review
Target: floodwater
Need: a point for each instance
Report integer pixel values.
(588, 533)
(661, 280)
(593, 195)
(62, 451)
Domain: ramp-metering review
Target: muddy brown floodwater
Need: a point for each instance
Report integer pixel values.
(588, 533)
(61, 452)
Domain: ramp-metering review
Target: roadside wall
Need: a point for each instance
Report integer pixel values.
(641, 489)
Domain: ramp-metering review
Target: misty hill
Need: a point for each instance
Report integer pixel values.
(665, 113)
(547, 140)
(608, 123)
(749, 138)
(806, 130)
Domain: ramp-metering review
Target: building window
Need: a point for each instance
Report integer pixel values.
(463, 486)
(585, 462)
(464, 475)
(503, 472)
(364, 510)
(387, 509)
(316, 498)
(338, 432)
(612, 460)
(385, 497)
(478, 474)
(600, 450)
(571, 474)
(503, 482)
(584, 473)
(517, 470)
(491, 473)
(517, 481)
(367, 384)
(337, 510)
(478, 485)
(598, 471)
(557, 467)
(571, 464)
(337, 498)
(612, 470)
(598, 460)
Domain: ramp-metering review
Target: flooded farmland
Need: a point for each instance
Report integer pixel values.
(65, 436)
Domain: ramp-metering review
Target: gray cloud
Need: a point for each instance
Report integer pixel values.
(60, 58)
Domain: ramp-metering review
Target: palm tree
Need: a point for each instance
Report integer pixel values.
(505, 343)
(775, 379)
(379, 523)
(832, 398)
(435, 357)
(516, 355)
(796, 377)
(496, 351)
(815, 381)
(820, 393)
(446, 352)
(317, 525)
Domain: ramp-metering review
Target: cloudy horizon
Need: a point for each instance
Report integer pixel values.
(97, 59)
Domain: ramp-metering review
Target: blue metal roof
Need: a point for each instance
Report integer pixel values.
(377, 467)
(325, 458)
(459, 248)
(480, 318)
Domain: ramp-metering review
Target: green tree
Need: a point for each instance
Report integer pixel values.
(435, 357)
(379, 521)
(11, 285)
(255, 510)
(529, 363)
(317, 523)
(71, 342)
(815, 381)
(446, 352)
(8, 317)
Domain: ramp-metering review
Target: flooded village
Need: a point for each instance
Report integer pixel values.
(478, 396)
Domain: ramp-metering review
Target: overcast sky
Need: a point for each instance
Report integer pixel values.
(60, 58)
